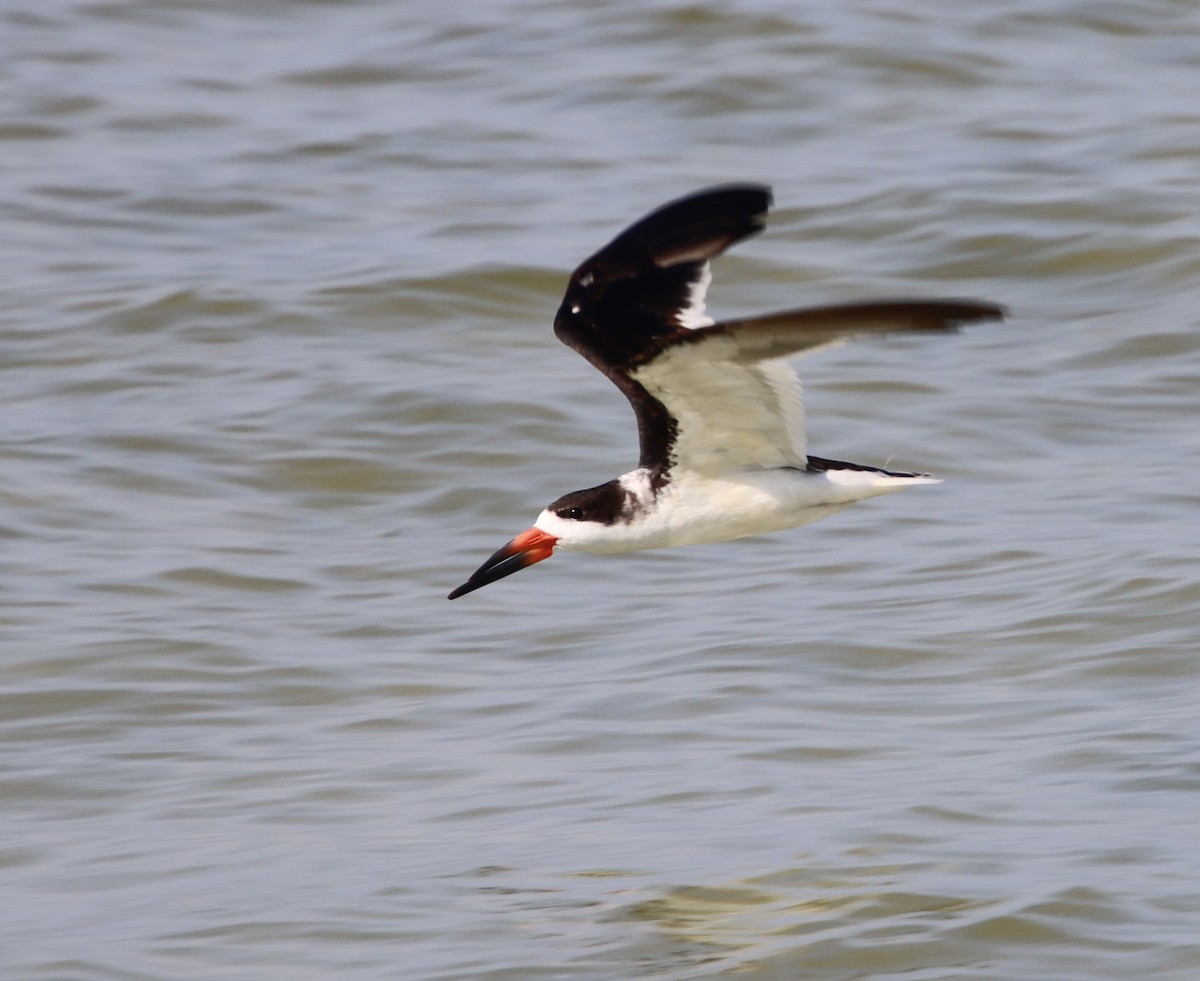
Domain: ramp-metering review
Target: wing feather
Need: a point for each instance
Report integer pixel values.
(792, 332)
(738, 405)
(713, 397)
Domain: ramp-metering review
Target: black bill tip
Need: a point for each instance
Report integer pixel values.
(527, 548)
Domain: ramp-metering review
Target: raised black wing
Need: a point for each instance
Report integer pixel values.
(647, 285)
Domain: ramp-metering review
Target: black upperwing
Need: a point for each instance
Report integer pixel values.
(642, 291)
(772, 336)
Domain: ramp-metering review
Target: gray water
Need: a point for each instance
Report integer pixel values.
(277, 373)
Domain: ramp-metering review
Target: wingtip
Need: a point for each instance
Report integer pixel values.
(971, 310)
(694, 228)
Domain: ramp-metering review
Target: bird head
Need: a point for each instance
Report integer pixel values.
(584, 520)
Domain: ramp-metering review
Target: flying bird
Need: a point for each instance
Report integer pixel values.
(720, 415)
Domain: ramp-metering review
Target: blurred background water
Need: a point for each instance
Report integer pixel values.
(278, 372)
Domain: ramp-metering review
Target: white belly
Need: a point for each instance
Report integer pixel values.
(694, 509)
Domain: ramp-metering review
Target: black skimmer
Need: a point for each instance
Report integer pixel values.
(720, 416)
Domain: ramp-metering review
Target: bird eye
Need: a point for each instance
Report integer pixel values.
(575, 514)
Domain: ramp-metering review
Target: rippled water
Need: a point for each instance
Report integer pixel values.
(278, 373)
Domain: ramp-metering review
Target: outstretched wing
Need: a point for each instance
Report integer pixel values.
(737, 404)
(712, 397)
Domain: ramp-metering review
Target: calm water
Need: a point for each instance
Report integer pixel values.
(278, 373)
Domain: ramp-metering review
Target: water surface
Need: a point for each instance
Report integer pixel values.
(278, 373)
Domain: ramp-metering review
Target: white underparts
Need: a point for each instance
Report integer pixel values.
(693, 509)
